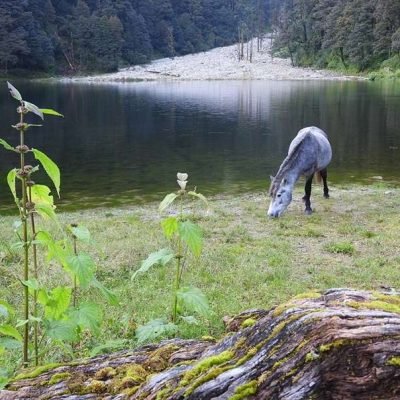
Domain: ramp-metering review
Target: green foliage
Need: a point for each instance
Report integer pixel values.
(50, 167)
(88, 315)
(193, 300)
(83, 267)
(168, 200)
(49, 315)
(342, 247)
(340, 34)
(108, 347)
(183, 235)
(83, 35)
(6, 145)
(49, 111)
(14, 92)
(9, 330)
(155, 329)
(64, 330)
(55, 301)
(160, 257)
(191, 234)
(11, 178)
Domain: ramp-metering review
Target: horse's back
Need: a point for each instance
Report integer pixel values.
(318, 144)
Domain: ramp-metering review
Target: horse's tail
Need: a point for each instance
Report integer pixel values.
(318, 176)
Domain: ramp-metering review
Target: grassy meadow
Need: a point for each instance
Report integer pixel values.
(248, 260)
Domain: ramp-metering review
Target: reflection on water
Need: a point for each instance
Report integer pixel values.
(124, 142)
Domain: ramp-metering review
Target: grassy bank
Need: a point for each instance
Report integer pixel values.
(248, 261)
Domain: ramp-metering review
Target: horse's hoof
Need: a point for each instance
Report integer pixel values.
(326, 196)
(308, 211)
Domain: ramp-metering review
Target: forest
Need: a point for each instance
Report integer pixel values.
(68, 36)
(73, 36)
(363, 34)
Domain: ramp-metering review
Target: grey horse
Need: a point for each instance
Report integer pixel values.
(310, 152)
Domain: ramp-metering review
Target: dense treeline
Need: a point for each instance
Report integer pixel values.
(70, 36)
(359, 33)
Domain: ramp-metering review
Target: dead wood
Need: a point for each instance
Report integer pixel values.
(342, 344)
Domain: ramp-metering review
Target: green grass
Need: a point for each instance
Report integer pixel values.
(248, 261)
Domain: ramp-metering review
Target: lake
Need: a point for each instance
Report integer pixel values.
(122, 143)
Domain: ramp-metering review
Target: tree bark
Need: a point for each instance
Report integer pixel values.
(341, 344)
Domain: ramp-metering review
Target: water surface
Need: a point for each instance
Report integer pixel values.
(122, 143)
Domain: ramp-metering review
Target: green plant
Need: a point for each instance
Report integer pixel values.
(48, 310)
(184, 237)
(34, 199)
(342, 247)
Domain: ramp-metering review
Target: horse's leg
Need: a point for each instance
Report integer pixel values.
(307, 196)
(324, 176)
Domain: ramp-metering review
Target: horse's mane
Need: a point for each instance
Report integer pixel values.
(286, 166)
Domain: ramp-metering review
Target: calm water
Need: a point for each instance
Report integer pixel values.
(123, 143)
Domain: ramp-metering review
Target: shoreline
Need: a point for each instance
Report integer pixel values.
(217, 64)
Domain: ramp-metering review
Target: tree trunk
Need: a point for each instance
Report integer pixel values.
(341, 344)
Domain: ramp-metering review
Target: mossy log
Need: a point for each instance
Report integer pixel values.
(341, 344)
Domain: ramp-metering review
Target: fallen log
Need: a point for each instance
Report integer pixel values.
(341, 344)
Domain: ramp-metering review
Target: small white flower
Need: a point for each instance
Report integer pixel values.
(182, 176)
(182, 184)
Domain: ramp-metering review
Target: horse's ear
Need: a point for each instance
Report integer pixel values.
(272, 178)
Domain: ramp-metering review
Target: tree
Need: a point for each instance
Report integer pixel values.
(387, 16)
(359, 45)
(13, 35)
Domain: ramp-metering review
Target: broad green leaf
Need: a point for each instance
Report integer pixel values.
(14, 92)
(31, 284)
(34, 109)
(8, 310)
(42, 297)
(57, 303)
(154, 329)
(10, 343)
(193, 299)
(9, 330)
(44, 201)
(191, 234)
(21, 322)
(88, 315)
(49, 111)
(109, 346)
(160, 257)
(108, 294)
(50, 167)
(3, 311)
(168, 200)
(170, 226)
(189, 320)
(61, 330)
(56, 250)
(46, 211)
(80, 232)
(17, 245)
(11, 177)
(6, 145)
(199, 196)
(83, 266)
(41, 194)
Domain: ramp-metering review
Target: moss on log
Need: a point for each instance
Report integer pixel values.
(340, 344)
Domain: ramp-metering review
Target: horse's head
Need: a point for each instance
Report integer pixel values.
(281, 196)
